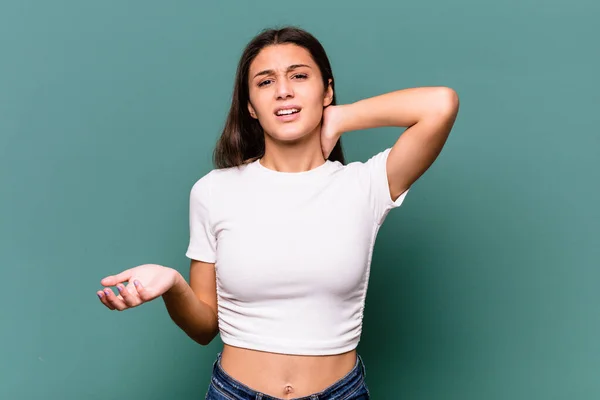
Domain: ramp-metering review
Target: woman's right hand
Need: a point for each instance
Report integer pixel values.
(144, 283)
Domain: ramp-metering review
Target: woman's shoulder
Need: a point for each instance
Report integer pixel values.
(374, 163)
(219, 177)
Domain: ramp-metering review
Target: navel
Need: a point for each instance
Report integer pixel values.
(288, 389)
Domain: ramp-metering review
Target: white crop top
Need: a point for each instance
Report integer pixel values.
(292, 251)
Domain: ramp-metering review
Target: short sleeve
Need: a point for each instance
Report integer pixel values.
(379, 191)
(202, 244)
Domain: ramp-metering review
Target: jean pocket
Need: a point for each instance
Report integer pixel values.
(214, 393)
(361, 393)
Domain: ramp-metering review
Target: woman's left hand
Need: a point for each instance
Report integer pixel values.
(331, 128)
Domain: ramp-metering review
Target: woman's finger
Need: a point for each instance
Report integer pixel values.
(130, 298)
(113, 300)
(141, 290)
(112, 280)
(102, 297)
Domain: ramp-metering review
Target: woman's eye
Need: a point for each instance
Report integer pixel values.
(296, 76)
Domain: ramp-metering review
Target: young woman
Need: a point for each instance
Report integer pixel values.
(282, 231)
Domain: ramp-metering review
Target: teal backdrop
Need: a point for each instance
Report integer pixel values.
(484, 283)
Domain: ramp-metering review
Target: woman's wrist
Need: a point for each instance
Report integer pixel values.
(179, 285)
(345, 119)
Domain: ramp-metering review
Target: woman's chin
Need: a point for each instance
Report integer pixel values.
(289, 137)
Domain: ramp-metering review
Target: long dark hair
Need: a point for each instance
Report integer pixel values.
(243, 138)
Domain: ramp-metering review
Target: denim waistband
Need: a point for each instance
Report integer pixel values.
(339, 390)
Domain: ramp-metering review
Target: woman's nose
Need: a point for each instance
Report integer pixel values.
(284, 89)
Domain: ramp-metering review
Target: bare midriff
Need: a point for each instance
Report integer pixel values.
(285, 376)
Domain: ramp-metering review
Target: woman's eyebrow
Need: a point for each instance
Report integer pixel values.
(290, 68)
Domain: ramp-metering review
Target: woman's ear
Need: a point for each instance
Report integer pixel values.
(328, 99)
(251, 111)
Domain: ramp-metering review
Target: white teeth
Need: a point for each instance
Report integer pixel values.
(287, 112)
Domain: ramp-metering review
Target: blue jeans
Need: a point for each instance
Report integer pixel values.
(350, 387)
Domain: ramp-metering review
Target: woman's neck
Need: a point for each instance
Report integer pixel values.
(299, 156)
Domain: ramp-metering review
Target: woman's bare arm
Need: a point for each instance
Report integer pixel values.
(193, 307)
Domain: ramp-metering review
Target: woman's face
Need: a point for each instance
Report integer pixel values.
(286, 92)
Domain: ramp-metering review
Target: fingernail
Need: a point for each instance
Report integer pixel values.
(99, 295)
(120, 288)
(136, 283)
(107, 291)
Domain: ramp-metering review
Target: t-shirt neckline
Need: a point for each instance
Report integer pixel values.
(292, 175)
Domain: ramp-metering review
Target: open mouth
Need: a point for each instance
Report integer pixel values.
(287, 111)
